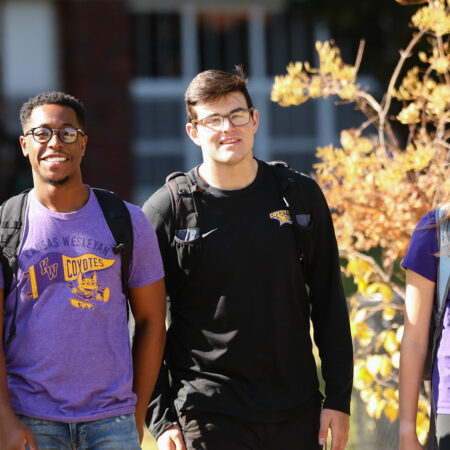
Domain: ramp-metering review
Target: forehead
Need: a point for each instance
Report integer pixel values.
(52, 115)
(221, 105)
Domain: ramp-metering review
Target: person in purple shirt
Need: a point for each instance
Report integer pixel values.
(69, 379)
(420, 263)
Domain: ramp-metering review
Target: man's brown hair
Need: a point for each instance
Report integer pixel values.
(213, 84)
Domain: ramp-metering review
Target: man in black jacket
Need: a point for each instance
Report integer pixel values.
(239, 350)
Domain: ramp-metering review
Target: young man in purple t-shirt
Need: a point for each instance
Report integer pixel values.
(69, 378)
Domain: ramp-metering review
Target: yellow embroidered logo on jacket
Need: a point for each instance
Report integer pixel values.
(282, 216)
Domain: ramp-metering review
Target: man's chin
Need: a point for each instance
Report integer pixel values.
(233, 158)
(53, 182)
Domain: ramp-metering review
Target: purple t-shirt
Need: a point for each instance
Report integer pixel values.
(71, 358)
(421, 259)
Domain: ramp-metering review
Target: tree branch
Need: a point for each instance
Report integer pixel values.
(380, 272)
(388, 99)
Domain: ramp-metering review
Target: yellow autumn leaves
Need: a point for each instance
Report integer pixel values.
(425, 96)
(362, 272)
(379, 186)
(433, 17)
(303, 81)
(378, 196)
(377, 354)
(378, 400)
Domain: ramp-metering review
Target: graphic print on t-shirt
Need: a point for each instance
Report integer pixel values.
(80, 274)
(282, 216)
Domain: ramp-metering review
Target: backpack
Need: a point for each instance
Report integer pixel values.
(12, 221)
(294, 188)
(435, 332)
(442, 289)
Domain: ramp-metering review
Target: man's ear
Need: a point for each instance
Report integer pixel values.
(255, 120)
(83, 144)
(192, 133)
(23, 145)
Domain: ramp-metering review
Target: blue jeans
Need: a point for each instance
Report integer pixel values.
(115, 433)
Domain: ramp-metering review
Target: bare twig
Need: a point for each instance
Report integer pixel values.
(366, 124)
(370, 100)
(388, 99)
(362, 43)
(404, 55)
(443, 143)
(443, 55)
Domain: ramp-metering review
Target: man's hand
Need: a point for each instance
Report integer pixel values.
(171, 439)
(14, 434)
(339, 424)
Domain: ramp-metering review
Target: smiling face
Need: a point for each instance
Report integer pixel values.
(53, 162)
(232, 144)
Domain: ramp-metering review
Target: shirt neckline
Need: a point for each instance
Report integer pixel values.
(217, 192)
(39, 208)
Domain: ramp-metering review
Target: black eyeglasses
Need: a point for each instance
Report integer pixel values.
(67, 135)
(237, 118)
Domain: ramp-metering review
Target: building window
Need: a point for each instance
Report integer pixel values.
(157, 45)
(288, 38)
(155, 169)
(293, 120)
(223, 41)
(158, 118)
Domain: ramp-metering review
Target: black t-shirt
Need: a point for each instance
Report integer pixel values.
(239, 340)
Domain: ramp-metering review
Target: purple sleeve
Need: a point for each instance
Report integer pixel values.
(2, 283)
(420, 257)
(146, 265)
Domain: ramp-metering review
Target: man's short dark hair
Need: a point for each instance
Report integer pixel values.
(213, 84)
(53, 98)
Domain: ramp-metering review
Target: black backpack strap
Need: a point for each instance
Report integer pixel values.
(443, 274)
(183, 191)
(12, 226)
(437, 314)
(295, 192)
(118, 219)
(441, 293)
(292, 186)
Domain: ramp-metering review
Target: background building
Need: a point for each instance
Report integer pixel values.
(130, 61)
(82, 47)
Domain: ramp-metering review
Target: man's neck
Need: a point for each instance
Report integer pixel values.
(229, 177)
(62, 199)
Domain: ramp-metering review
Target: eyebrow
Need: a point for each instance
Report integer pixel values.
(221, 115)
(64, 125)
